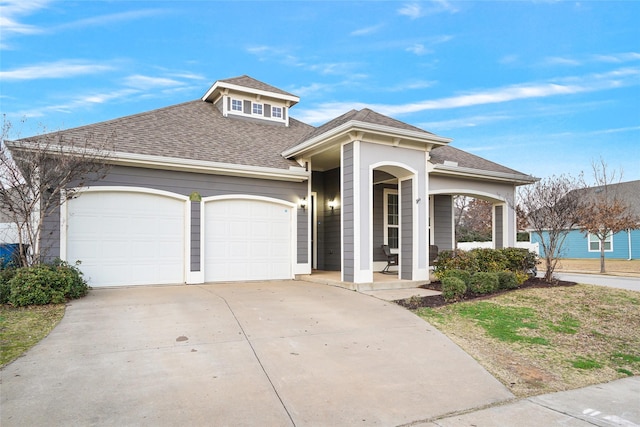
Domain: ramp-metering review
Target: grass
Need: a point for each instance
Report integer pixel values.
(612, 266)
(541, 340)
(22, 328)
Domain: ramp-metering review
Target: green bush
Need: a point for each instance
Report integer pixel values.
(458, 260)
(483, 283)
(46, 284)
(519, 259)
(489, 259)
(453, 288)
(5, 290)
(507, 280)
(463, 275)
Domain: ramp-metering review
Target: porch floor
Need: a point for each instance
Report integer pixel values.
(381, 281)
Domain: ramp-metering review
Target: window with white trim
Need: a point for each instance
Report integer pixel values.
(391, 219)
(594, 243)
(236, 105)
(276, 112)
(257, 108)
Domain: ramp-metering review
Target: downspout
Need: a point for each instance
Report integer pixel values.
(629, 238)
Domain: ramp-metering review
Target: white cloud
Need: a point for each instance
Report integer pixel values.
(419, 49)
(367, 30)
(11, 11)
(418, 10)
(54, 70)
(110, 19)
(567, 86)
(146, 82)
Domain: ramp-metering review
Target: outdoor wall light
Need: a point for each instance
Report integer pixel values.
(332, 204)
(303, 203)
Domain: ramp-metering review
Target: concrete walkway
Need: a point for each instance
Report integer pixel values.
(271, 354)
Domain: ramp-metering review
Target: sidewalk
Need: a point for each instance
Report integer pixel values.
(611, 404)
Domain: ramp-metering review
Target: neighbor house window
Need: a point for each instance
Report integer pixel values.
(276, 112)
(594, 243)
(391, 219)
(236, 105)
(257, 108)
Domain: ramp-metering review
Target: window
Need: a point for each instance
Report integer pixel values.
(276, 112)
(594, 243)
(257, 109)
(236, 105)
(391, 220)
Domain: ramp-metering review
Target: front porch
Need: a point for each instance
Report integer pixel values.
(380, 281)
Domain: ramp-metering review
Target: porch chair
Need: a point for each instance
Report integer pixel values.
(392, 259)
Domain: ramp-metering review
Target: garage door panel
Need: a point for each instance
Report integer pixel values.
(127, 238)
(247, 240)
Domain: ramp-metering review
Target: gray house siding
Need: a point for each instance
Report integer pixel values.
(406, 229)
(442, 222)
(348, 245)
(185, 183)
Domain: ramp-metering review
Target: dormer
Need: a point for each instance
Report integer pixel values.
(247, 97)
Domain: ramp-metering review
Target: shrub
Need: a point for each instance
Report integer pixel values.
(458, 260)
(453, 288)
(489, 259)
(519, 259)
(483, 283)
(5, 290)
(463, 275)
(507, 280)
(46, 284)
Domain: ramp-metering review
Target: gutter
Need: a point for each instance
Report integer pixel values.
(355, 125)
(479, 173)
(293, 174)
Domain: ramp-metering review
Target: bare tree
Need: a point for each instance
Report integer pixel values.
(38, 174)
(604, 211)
(552, 207)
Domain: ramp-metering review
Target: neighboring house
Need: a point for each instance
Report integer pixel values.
(622, 245)
(231, 187)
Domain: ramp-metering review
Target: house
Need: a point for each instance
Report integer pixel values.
(231, 187)
(622, 245)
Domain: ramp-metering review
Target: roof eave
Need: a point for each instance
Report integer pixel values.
(518, 179)
(359, 126)
(224, 85)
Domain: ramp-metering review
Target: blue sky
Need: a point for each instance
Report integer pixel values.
(544, 87)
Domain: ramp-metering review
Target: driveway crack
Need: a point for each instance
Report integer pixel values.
(275, 390)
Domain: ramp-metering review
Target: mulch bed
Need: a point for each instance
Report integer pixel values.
(438, 301)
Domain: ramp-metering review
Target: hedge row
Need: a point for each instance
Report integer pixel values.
(41, 284)
(458, 283)
(483, 271)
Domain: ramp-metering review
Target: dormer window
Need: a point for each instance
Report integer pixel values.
(276, 112)
(236, 105)
(257, 109)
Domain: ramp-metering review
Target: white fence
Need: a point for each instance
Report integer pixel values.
(467, 246)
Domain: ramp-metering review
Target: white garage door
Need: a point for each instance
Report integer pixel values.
(127, 238)
(247, 240)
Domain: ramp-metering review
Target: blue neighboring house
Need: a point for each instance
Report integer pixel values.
(622, 245)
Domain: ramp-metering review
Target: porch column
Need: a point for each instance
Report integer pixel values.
(357, 264)
(407, 249)
(504, 226)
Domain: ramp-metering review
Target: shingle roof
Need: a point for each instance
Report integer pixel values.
(250, 82)
(365, 115)
(628, 191)
(196, 130)
(467, 160)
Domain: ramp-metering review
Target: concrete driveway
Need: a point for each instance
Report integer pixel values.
(271, 353)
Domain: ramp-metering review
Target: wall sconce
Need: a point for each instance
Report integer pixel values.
(332, 204)
(303, 203)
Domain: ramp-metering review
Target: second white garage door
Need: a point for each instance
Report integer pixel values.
(247, 239)
(127, 237)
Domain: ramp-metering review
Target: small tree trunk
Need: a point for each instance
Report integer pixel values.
(602, 270)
